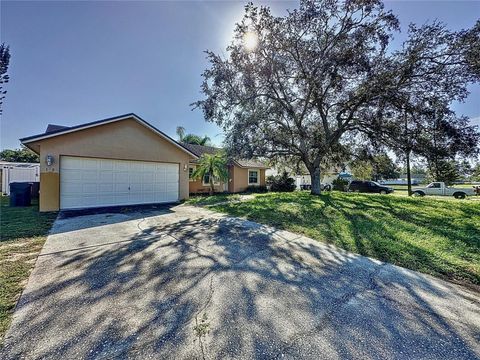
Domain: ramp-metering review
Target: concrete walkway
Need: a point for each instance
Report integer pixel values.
(185, 283)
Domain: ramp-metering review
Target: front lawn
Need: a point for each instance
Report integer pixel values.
(203, 200)
(22, 234)
(436, 236)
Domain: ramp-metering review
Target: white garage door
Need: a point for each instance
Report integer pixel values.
(90, 182)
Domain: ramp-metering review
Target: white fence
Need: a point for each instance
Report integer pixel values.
(18, 172)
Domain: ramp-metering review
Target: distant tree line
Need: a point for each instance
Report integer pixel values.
(22, 155)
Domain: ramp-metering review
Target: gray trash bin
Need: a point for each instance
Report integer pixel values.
(20, 194)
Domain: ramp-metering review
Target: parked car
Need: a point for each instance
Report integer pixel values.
(439, 188)
(326, 187)
(369, 187)
(323, 187)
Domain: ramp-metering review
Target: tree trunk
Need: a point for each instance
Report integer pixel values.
(212, 188)
(315, 181)
(409, 175)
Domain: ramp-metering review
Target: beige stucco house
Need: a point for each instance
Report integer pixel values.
(117, 161)
(241, 173)
(122, 160)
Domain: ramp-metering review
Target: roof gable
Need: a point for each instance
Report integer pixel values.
(67, 130)
(53, 128)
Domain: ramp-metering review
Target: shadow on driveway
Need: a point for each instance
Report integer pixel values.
(182, 282)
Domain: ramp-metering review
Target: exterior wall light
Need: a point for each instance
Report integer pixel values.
(185, 167)
(49, 160)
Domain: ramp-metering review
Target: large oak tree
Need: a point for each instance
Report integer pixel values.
(318, 76)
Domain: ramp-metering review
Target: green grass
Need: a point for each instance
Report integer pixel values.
(22, 234)
(203, 200)
(435, 236)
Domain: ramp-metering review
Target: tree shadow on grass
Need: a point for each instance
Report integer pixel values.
(377, 226)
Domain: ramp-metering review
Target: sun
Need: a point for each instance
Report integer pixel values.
(250, 40)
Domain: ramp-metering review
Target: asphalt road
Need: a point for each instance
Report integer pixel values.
(184, 283)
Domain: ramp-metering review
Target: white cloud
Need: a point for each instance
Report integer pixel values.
(475, 120)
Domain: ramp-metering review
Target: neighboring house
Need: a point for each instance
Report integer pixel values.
(241, 173)
(303, 179)
(122, 160)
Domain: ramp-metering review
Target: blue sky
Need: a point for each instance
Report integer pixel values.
(75, 62)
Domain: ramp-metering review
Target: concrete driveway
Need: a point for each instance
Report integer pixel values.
(185, 283)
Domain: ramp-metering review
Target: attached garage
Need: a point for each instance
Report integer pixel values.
(92, 182)
(111, 162)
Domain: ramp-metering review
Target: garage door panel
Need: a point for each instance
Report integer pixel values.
(71, 188)
(90, 188)
(108, 199)
(121, 187)
(148, 177)
(90, 175)
(73, 174)
(171, 177)
(148, 187)
(160, 175)
(106, 176)
(171, 187)
(68, 163)
(135, 187)
(87, 182)
(106, 187)
(120, 176)
(121, 198)
(107, 165)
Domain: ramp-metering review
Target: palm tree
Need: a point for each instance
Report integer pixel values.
(195, 139)
(213, 165)
(180, 132)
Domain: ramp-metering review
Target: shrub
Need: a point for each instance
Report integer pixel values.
(282, 183)
(340, 184)
(256, 189)
(270, 180)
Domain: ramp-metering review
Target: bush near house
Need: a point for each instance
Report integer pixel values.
(340, 184)
(281, 183)
(256, 189)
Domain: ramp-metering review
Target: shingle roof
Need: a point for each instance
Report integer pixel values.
(199, 150)
(251, 163)
(52, 127)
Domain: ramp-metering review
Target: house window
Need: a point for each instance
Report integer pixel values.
(206, 180)
(253, 177)
(191, 169)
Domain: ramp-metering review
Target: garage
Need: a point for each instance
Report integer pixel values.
(117, 161)
(92, 182)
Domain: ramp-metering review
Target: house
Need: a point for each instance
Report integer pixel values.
(122, 160)
(241, 173)
(303, 179)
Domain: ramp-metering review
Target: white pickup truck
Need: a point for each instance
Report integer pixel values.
(439, 188)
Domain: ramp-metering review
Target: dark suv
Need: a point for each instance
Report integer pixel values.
(369, 187)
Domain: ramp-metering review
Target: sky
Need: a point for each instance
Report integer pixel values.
(76, 62)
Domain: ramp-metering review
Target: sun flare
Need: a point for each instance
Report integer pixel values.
(250, 40)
